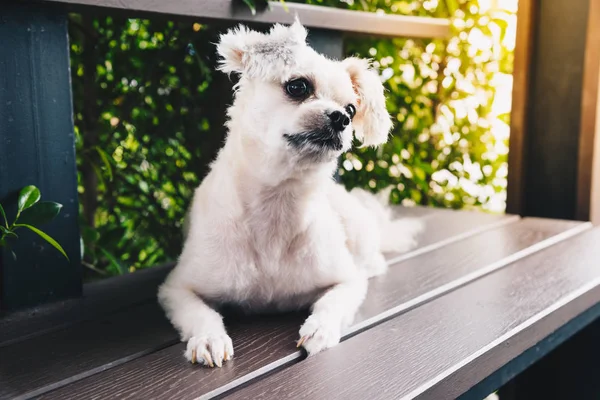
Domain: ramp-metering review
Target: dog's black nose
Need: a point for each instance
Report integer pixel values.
(339, 120)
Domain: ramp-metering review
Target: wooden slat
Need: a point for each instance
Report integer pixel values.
(443, 348)
(462, 224)
(70, 354)
(268, 344)
(417, 212)
(357, 22)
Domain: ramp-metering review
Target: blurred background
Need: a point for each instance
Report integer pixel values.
(150, 108)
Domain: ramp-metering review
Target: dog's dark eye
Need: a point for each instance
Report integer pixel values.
(351, 110)
(298, 88)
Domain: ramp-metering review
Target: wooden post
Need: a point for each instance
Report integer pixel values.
(37, 148)
(330, 43)
(588, 173)
(520, 101)
(554, 109)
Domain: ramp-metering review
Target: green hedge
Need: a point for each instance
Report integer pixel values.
(149, 111)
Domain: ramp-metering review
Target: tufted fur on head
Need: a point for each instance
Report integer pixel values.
(262, 55)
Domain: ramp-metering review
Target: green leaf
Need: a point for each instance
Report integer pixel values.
(452, 6)
(47, 238)
(89, 235)
(122, 270)
(7, 232)
(112, 238)
(416, 195)
(106, 161)
(504, 118)
(250, 4)
(40, 213)
(28, 196)
(419, 173)
(503, 24)
(4, 216)
(99, 175)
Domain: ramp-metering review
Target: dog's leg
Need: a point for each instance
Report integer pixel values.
(334, 311)
(198, 324)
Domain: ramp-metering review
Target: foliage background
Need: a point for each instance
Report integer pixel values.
(149, 111)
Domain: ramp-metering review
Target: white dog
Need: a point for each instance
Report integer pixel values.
(269, 229)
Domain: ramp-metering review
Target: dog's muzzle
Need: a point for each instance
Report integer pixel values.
(316, 140)
(325, 137)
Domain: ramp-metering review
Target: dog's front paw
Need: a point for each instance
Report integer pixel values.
(210, 349)
(319, 333)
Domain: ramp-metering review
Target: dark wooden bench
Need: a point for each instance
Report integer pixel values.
(486, 301)
(450, 316)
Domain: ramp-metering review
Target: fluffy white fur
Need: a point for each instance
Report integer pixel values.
(268, 228)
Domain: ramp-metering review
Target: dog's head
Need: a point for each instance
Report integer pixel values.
(293, 99)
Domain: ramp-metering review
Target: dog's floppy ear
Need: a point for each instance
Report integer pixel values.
(256, 54)
(372, 122)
